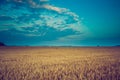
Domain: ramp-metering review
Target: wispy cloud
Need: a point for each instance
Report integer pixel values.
(5, 18)
(39, 19)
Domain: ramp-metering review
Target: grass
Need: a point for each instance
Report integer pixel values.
(53, 63)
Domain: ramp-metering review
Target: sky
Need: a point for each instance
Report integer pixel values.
(60, 22)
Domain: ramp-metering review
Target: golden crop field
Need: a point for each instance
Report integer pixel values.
(59, 63)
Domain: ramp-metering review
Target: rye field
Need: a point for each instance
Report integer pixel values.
(59, 63)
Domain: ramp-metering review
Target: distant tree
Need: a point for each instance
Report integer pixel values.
(117, 45)
(2, 44)
(98, 45)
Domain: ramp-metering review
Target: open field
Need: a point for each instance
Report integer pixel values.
(53, 63)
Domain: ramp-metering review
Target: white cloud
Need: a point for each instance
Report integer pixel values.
(57, 9)
(44, 0)
(54, 17)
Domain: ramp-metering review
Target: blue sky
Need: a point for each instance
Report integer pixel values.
(60, 23)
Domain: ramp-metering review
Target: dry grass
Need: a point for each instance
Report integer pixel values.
(35, 63)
